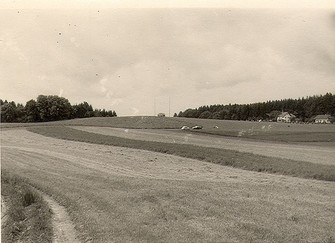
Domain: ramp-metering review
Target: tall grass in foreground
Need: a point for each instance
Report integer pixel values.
(247, 161)
(28, 217)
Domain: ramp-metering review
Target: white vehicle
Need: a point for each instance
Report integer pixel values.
(185, 128)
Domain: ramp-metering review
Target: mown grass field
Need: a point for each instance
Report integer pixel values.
(232, 158)
(114, 192)
(118, 194)
(320, 134)
(140, 122)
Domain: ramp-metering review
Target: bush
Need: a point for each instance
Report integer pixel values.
(28, 199)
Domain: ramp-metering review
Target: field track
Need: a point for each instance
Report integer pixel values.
(63, 228)
(126, 194)
(313, 154)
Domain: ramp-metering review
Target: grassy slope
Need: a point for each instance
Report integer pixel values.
(268, 131)
(245, 161)
(245, 207)
(28, 215)
(140, 122)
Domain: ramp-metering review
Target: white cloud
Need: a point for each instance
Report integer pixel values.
(124, 59)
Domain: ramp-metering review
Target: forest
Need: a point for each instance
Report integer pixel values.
(48, 108)
(305, 109)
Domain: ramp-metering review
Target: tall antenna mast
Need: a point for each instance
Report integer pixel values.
(154, 106)
(169, 106)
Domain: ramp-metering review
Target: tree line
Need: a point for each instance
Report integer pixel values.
(48, 108)
(305, 109)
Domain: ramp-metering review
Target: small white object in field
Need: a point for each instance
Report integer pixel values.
(241, 133)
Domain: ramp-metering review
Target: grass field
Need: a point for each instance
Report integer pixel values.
(118, 189)
(123, 194)
(140, 122)
(232, 158)
(267, 131)
(27, 217)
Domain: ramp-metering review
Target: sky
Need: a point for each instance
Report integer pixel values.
(166, 56)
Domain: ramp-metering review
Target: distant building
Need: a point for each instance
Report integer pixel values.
(161, 115)
(326, 119)
(285, 117)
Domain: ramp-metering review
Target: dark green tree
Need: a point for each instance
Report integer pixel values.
(205, 114)
(20, 113)
(53, 108)
(32, 114)
(8, 112)
(83, 110)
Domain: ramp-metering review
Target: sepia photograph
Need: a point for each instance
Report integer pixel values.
(167, 121)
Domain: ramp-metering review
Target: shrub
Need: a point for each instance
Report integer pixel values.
(28, 198)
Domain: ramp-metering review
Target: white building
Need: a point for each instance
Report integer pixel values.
(326, 119)
(285, 117)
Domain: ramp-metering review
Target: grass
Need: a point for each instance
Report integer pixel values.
(246, 161)
(28, 215)
(269, 131)
(249, 207)
(108, 206)
(266, 131)
(139, 122)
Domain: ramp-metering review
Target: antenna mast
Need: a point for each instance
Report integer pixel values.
(169, 106)
(154, 106)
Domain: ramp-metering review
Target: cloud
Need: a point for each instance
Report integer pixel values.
(121, 59)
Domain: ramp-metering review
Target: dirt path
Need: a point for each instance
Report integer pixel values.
(63, 227)
(3, 211)
(314, 154)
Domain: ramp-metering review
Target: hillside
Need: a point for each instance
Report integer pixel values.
(139, 122)
(268, 131)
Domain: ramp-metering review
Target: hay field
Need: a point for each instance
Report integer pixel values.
(323, 170)
(135, 188)
(123, 194)
(306, 152)
(318, 134)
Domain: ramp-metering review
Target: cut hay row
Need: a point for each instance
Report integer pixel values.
(247, 161)
(322, 134)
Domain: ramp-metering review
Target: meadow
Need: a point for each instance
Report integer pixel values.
(118, 194)
(118, 189)
(246, 161)
(319, 134)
